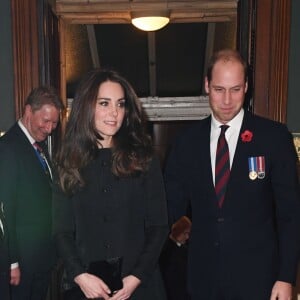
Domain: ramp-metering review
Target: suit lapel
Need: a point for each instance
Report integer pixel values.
(240, 160)
(207, 154)
(203, 150)
(23, 144)
(205, 163)
(242, 148)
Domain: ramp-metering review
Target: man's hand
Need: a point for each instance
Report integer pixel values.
(15, 276)
(281, 291)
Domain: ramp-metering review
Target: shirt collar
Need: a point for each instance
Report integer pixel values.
(24, 129)
(235, 123)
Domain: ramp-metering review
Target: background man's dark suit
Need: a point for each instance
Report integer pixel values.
(253, 240)
(4, 260)
(26, 193)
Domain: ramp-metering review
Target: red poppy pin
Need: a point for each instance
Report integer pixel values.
(246, 136)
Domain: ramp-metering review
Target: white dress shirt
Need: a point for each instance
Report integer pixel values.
(231, 135)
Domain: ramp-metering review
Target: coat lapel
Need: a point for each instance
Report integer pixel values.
(240, 160)
(205, 164)
(23, 144)
(204, 148)
(242, 147)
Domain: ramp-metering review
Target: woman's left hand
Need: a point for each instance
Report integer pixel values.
(130, 283)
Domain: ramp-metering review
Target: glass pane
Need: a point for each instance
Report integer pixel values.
(180, 52)
(125, 49)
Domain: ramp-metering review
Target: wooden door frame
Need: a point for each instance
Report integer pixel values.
(25, 40)
(271, 56)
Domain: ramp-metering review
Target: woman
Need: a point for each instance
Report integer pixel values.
(109, 200)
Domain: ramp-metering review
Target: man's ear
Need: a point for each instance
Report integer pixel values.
(246, 87)
(206, 85)
(27, 110)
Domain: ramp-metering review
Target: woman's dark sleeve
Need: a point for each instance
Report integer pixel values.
(156, 222)
(64, 233)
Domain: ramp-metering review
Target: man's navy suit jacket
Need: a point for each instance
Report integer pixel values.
(253, 240)
(26, 193)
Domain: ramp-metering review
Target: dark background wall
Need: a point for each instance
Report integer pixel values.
(7, 111)
(293, 109)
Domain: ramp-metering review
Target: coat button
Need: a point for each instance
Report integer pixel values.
(220, 220)
(104, 190)
(216, 244)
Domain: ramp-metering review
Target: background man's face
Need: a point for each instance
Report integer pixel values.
(42, 122)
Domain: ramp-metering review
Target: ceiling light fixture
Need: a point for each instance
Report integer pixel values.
(150, 20)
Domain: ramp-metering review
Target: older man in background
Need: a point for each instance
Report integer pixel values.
(25, 189)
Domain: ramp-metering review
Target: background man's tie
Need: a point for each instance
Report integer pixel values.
(222, 171)
(43, 159)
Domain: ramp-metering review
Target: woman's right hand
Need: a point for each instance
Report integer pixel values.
(92, 286)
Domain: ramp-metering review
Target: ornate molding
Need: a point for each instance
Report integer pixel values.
(171, 108)
(176, 108)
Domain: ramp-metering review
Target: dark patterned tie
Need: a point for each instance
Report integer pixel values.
(222, 171)
(42, 157)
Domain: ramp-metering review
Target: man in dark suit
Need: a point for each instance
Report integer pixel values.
(4, 258)
(25, 189)
(245, 245)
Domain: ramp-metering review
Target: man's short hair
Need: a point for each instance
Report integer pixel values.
(44, 95)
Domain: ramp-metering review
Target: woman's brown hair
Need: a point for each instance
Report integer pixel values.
(132, 148)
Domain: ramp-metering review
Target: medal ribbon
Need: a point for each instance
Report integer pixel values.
(252, 164)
